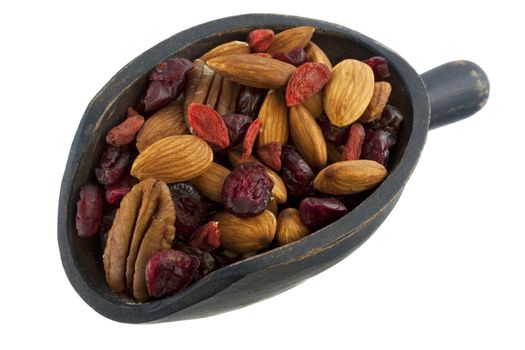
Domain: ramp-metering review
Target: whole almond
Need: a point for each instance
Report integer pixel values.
(307, 137)
(289, 39)
(290, 228)
(211, 181)
(348, 92)
(382, 90)
(246, 235)
(252, 70)
(173, 159)
(229, 48)
(167, 121)
(274, 119)
(348, 177)
(279, 188)
(315, 54)
(314, 104)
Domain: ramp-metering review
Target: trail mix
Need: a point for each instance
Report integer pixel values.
(252, 146)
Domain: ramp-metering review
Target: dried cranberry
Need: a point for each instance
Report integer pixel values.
(247, 190)
(319, 212)
(208, 262)
(270, 154)
(117, 191)
(380, 67)
(376, 145)
(113, 164)
(90, 208)
(166, 83)
(191, 208)
(207, 237)
(390, 120)
(296, 57)
(332, 133)
(168, 271)
(296, 173)
(250, 100)
(237, 125)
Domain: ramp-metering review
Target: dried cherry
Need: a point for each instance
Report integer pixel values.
(237, 125)
(113, 165)
(295, 57)
(296, 173)
(332, 133)
(191, 208)
(380, 67)
(249, 101)
(319, 212)
(90, 208)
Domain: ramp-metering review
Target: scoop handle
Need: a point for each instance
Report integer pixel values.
(457, 90)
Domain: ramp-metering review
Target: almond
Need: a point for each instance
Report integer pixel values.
(314, 104)
(290, 228)
(173, 159)
(348, 177)
(348, 92)
(230, 48)
(274, 119)
(307, 137)
(382, 90)
(315, 54)
(246, 235)
(279, 188)
(211, 181)
(167, 121)
(289, 39)
(252, 70)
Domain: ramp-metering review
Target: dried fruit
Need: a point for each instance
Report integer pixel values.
(237, 125)
(352, 150)
(173, 159)
(382, 90)
(314, 104)
(207, 237)
(245, 235)
(348, 177)
(289, 39)
(274, 118)
(229, 48)
(390, 120)
(296, 173)
(90, 207)
(206, 123)
(315, 54)
(190, 206)
(376, 145)
(169, 271)
(290, 228)
(260, 40)
(348, 92)
(247, 190)
(334, 152)
(305, 82)
(252, 70)
(125, 132)
(250, 101)
(117, 191)
(331, 133)
(249, 138)
(295, 57)
(319, 212)
(166, 83)
(379, 65)
(113, 165)
(270, 155)
(307, 137)
(167, 121)
(211, 181)
(208, 262)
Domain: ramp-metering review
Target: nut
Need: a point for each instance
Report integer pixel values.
(227, 101)
(245, 235)
(307, 137)
(167, 121)
(274, 118)
(314, 104)
(173, 159)
(348, 92)
(382, 90)
(289, 39)
(230, 48)
(315, 54)
(211, 181)
(290, 228)
(252, 70)
(348, 177)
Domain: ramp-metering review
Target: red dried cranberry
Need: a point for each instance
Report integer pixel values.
(247, 190)
(168, 271)
(270, 154)
(117, 191)
(296, 173)
(390, 120)
(166, 83)
(250, 100)
(113, 164)
(296, 57)
(90, 208)
(319, 212)
(207, 237)
(191, 208)
(208, 262)
(380, 67)
(237, 125)
(332, 133)
(376, 145)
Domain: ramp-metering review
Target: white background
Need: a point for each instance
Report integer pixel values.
(445, 270)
